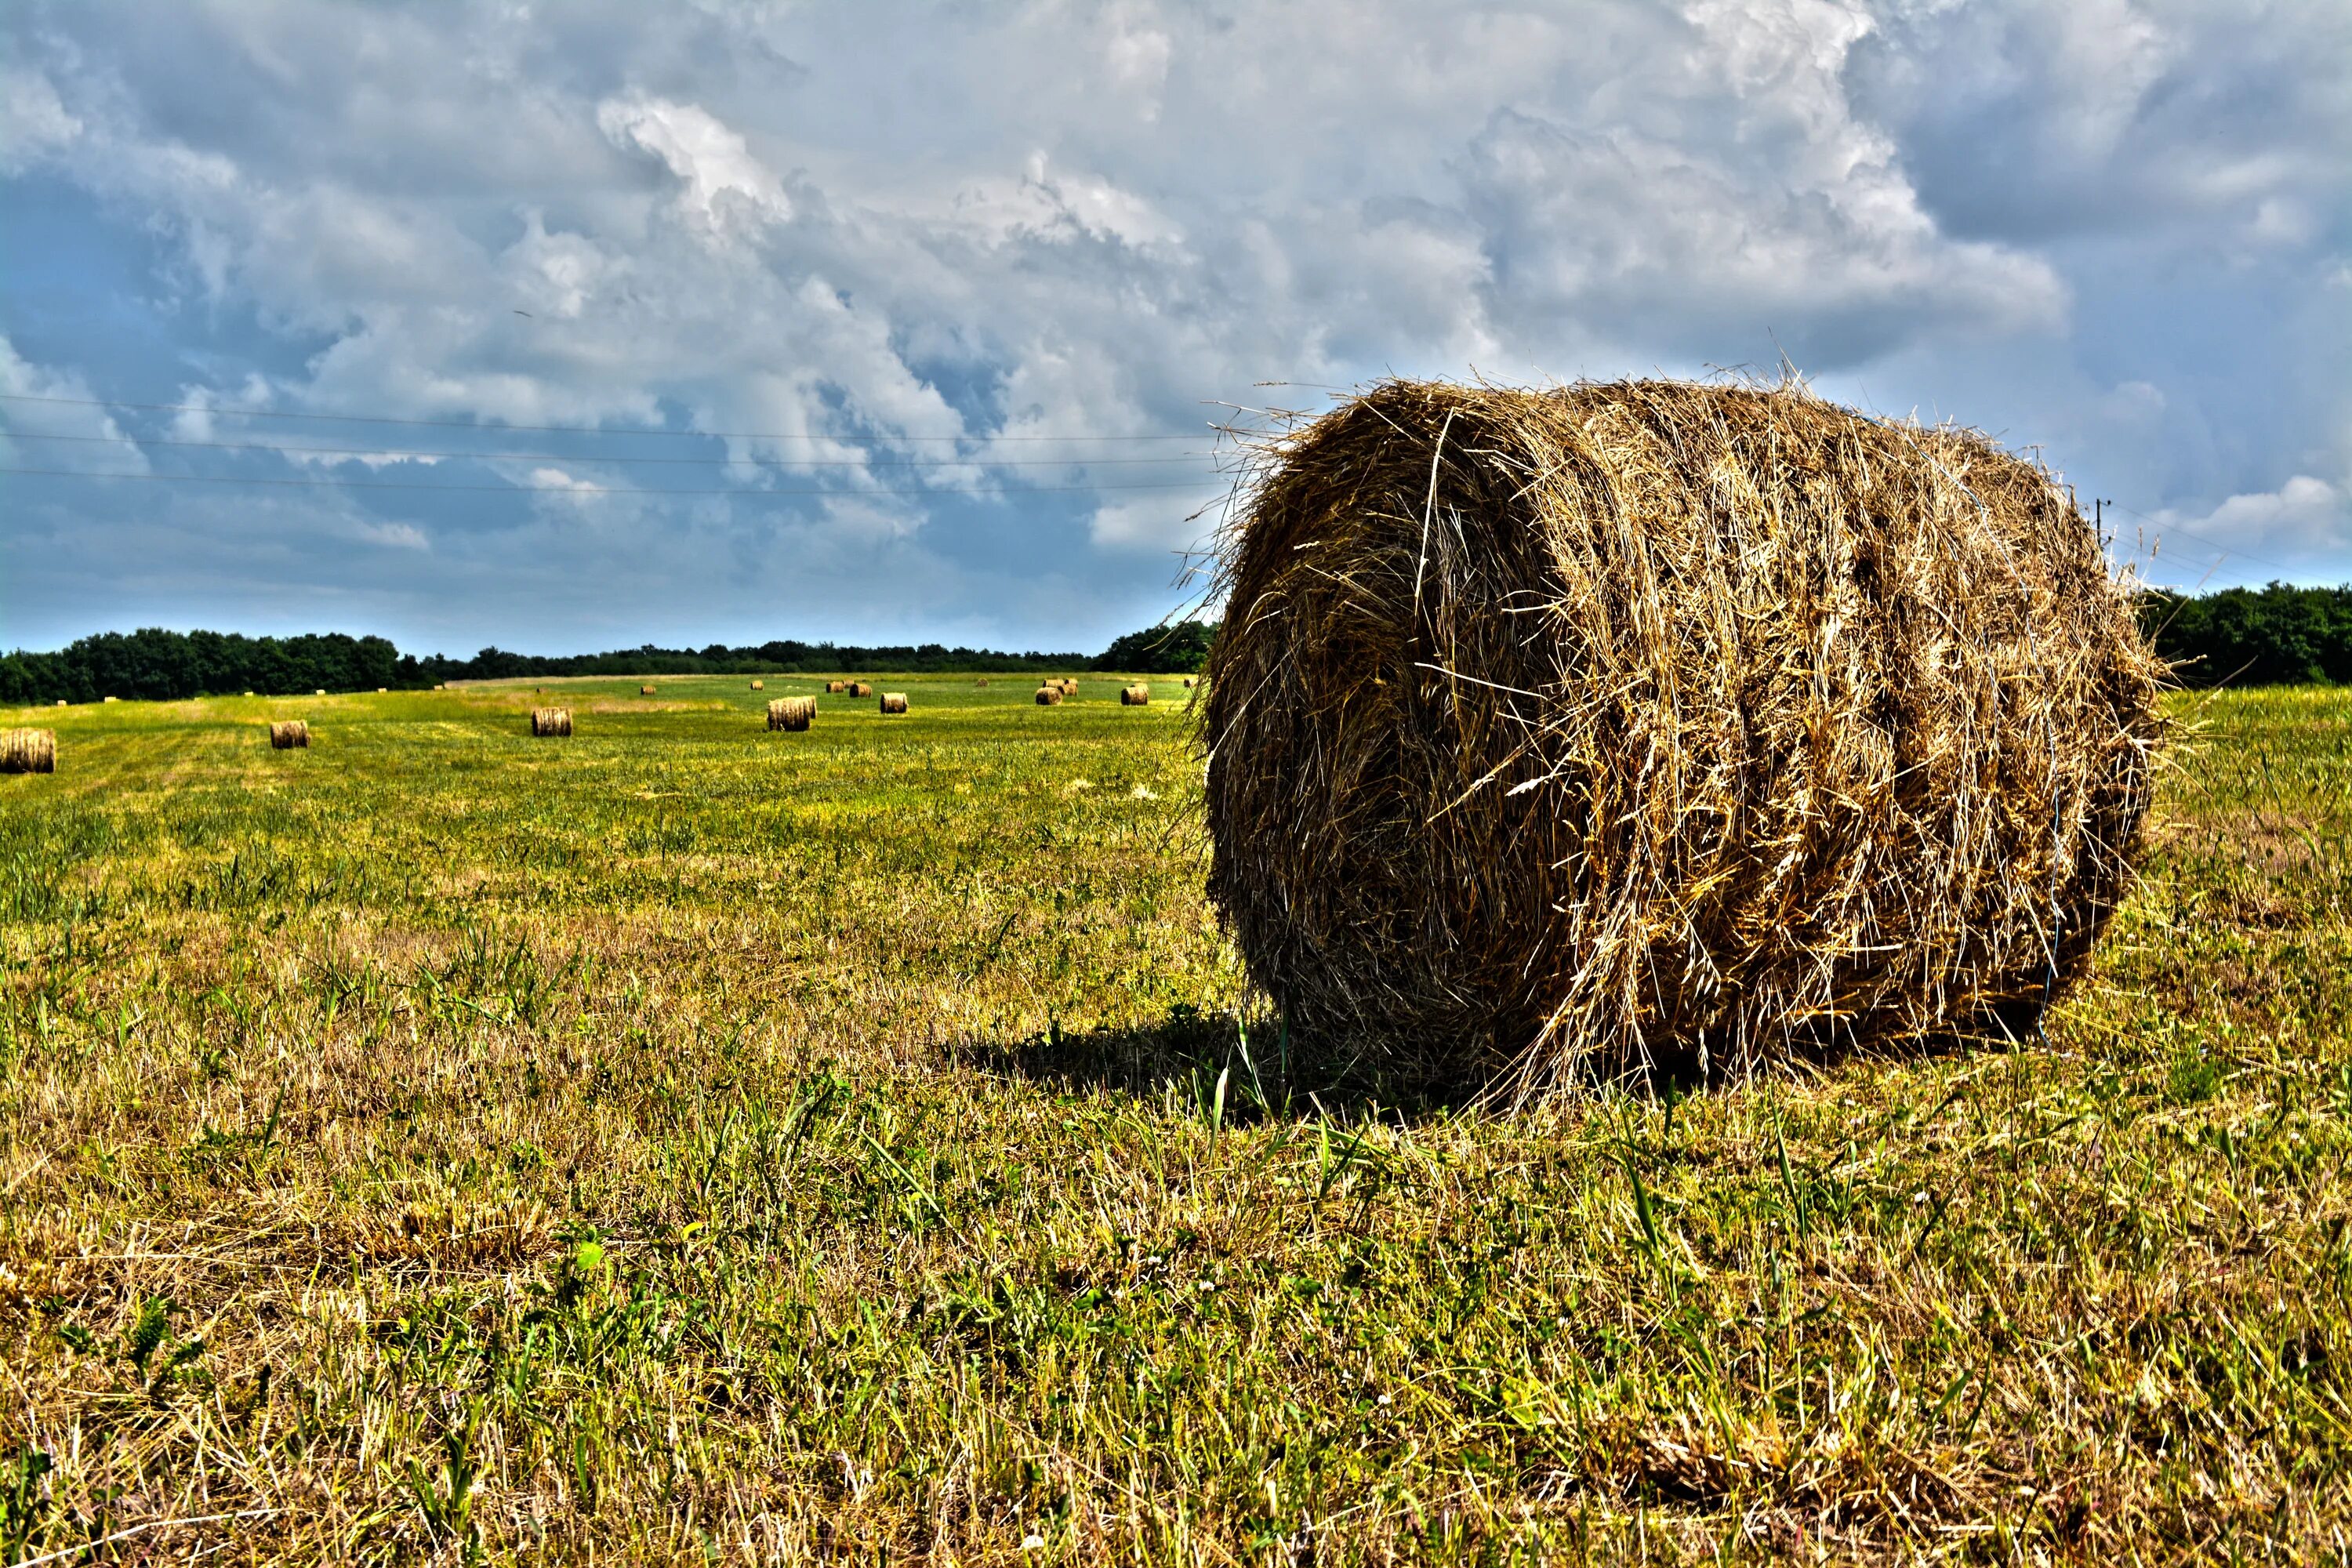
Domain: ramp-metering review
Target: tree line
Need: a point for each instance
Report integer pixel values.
(2281, 635)
(2278, 636)
(155, 665)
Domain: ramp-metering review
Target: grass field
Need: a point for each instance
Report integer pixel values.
(688, 1143)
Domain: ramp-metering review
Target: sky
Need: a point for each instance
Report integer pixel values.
(578, 326)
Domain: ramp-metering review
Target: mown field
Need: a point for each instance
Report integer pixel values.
(687, 1143)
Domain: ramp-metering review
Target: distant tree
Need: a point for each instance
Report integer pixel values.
(1178, 650)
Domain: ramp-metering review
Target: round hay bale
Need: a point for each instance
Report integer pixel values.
(836, 688)
(114, 699)
(1188, 683)
(556, 722)
(645, 691)
(322, 691)
(790, 712)
(248, 694)
(861, 689)
(1049, 696)
(61, 701)
(759, 686)
(1656, 727)
(1136, 695)
(380, 689)
(980, 682)
(290, 734)
(894, 702)
(29, 751)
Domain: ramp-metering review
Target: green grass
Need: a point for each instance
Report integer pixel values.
(688, 1143)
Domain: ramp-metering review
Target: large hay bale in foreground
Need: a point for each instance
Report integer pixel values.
(1654, 726)
(28, 752)
(290, 734)
(790, 712)
(1049, 696)
(555, 721)
(894, 702)
(1136, 695)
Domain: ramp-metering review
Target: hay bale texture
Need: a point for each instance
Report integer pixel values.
(28, 752)
(290, 734)
(546, 721)
(894, 702)
(1136, 695)
(1049, 696)
(790, 712)
(1657, 726)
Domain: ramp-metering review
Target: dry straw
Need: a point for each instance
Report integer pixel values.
(29, 751)
(1136, 695)
(1049, 696)
(790, 712)
(550, 721)
(894, 702)
(1646, 726)
(290, 734)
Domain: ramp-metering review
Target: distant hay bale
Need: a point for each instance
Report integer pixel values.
(790, 712)
(61, 701)
(115, 700)
(321, 692)
(1049, 696)
(550, 721)
(29, 751)
(383, 688)
(1662, 727)
(289, 734)
(1188, 683)
(759, 686)
(836, 688)
(1136, 695)
(983, 681)
(645, 691)
(894, 702)
(861, 689)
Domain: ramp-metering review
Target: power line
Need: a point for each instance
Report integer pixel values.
(556, 429)
(596, 457)
(589, 490)
(2227, 550)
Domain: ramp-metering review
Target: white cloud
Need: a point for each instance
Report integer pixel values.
(47, 422)
(2305, 519)
(859, 229)
(725, 187)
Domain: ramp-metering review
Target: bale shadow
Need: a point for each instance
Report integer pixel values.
(1249, 1070)
(1241, 1070)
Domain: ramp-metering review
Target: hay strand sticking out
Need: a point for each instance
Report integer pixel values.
(1653, 725)
(290, 734)
(790, 712)
(1136, 695)
(554, 721)
(1049, 696)
(894, 702)
(29, 751)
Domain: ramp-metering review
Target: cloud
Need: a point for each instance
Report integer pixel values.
(2305, 519)
(893, 247)
(46, 422)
